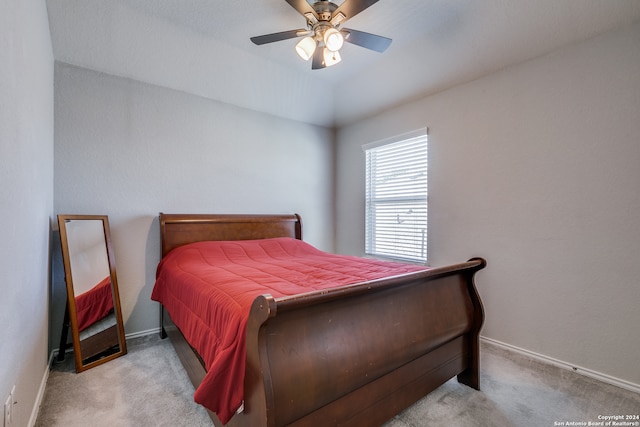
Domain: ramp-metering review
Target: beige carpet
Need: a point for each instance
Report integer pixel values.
(148, 387)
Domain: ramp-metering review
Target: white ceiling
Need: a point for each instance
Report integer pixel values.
(202, 47)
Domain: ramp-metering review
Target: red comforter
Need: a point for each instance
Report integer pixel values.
(94, 304)
(208, 289)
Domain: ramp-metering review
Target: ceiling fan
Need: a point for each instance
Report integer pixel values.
(323, 38)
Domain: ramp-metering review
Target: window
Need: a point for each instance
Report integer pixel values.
(396, 197)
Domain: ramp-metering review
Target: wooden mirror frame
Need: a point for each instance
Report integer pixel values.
(71, 316)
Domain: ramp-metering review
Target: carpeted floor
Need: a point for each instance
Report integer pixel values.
(148, 387)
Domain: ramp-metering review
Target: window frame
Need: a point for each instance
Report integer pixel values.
(407, 243)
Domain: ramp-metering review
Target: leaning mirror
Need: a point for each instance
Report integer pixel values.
(93, 304)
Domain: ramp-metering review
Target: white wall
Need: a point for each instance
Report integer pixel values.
(131, 150)
(26, 200)
(537, 169)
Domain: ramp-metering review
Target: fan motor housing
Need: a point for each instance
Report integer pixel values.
(324, 9)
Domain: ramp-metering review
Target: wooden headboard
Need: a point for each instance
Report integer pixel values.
(181, 229)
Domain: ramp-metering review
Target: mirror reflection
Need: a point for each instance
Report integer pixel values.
(93, 305)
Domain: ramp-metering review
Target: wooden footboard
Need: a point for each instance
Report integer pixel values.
(355, 355)
(360, 354)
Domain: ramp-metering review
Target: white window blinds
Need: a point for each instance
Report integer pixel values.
(396, 197)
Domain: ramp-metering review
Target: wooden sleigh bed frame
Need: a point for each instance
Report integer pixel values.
(408, 335)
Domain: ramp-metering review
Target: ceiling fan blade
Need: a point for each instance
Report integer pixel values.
(318, 59)
(366, 40)
(351, 8)
(276, 37)
(302, 7)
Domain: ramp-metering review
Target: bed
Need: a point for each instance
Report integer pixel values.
(353, 354)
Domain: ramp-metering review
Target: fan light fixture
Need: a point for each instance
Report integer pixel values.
(330, 58)
(333, 40)
(306, 47)
(324, 34)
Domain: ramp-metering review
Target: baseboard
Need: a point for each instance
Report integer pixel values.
(40, 395)
(139, 334)
(142, 333)
(608, 379)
